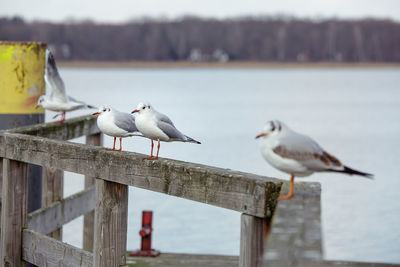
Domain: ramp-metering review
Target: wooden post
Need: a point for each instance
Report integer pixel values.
(252, 240)
(110, 227)
(14, 211)
(88, 218)
(1, 184)
(52, 190)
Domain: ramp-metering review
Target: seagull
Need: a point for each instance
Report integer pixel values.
(58, 100)
(298, 154)
(116, 124)
(157, 126)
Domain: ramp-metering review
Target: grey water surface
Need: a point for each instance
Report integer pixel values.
(353, 113)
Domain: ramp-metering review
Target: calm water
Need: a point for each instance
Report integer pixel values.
(352, 113)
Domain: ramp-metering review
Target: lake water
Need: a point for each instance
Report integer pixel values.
(353, 113)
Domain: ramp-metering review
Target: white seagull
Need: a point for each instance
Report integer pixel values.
(297, 154)
(157, 126)
(58, 100)
(116, 124)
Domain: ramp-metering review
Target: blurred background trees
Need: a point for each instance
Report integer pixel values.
(282, 39)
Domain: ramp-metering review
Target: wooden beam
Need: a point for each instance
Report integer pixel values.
(243, 192)
(42, 250)
(69, 129)
(253, 236)
(88, 218)
(110, 227)
(48, 219)
(14, 211)
(52, 191)
(295, 237)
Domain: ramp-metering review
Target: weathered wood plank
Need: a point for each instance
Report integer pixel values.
(14, 211)
(248, 193)
(295, 237)
(69, 129)
(52, 191)
(42, 250)
(1, 184)
(198, 260)
(48, 219)
(183, 260)
(253, 236)
(88, 219)
(110, 227)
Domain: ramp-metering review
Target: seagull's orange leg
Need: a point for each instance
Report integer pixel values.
(158, 149)
(113, 149)
(151, 152)
(62, 117)
(120, 144)
(291, 189)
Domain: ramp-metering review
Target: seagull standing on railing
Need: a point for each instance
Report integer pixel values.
(58, 100)
(298, 154)
(157, 126)
(116, 124)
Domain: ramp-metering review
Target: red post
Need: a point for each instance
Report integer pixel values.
(145, 233)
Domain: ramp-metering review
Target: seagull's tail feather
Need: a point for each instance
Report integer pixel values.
(191, 140)
(351, 171)
(92, 107)
(135, 134)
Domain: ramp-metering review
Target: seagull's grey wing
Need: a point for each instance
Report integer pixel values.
(54, 79)
(170, 130)
(163, 118)
(71, 99)
(125, 121)
(306, 151)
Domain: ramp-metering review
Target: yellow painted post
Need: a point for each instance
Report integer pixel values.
(22, 68)
(21, 79)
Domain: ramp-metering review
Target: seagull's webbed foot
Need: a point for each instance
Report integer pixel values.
(291, 190)
(151, 158)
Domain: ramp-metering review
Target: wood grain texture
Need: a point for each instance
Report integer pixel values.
(1, 184)
(295, 238)
(69, 129)
(110, 227)
(243, 192)
(52, 191)
(48, 219)
(253, 234)
(42, 250)
(14, 211)
(88, 218)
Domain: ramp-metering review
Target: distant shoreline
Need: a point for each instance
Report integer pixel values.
(222, 65)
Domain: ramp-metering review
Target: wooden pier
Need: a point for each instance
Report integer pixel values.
(287, 234)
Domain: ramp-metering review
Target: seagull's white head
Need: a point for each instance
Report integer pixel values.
(272, 128)
(41, 101)
(103, 110)
(142, 108)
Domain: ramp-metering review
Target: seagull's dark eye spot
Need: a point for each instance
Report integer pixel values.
(272, 126)
(143, 107)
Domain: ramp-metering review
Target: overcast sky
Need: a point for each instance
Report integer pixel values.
(122, 10)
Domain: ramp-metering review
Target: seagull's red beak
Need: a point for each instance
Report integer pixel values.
(96, 113)
(134, 111)
(261, 135)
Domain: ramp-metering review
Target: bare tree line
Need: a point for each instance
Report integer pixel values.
(239, 39)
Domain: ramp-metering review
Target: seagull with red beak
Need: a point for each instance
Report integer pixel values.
(116, 124)
(157, 126)
(58, 100)
(298, 154)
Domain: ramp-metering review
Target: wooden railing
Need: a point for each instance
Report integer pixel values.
(24, 234)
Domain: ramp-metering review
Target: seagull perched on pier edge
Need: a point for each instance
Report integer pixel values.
(58, 100)
(116, 124)
(157, 126)
(298, 154)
